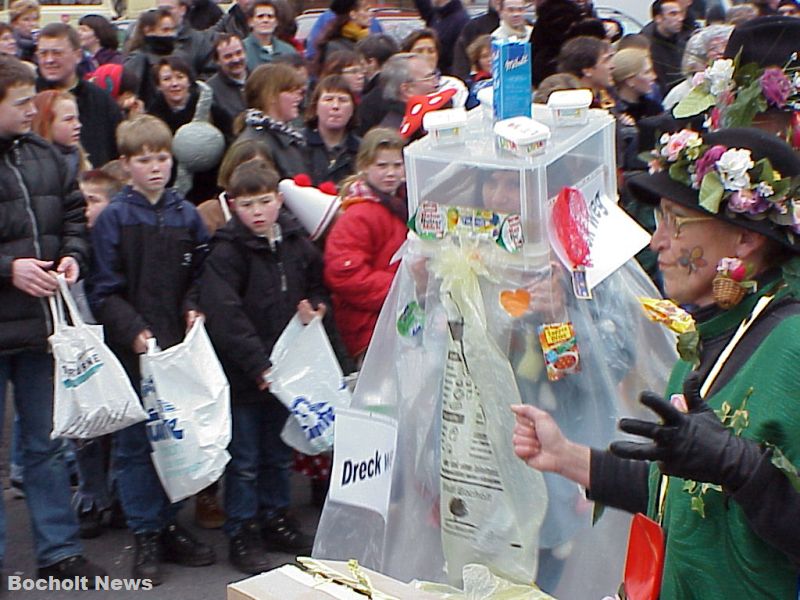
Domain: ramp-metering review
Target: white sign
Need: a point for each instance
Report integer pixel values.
(614, 237)
(363, 456)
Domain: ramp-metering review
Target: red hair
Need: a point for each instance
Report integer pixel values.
(45, 103)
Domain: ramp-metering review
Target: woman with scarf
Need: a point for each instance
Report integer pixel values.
(273, 94)
(717, 471)
(362, 242)
(153, 38)
(350, 26)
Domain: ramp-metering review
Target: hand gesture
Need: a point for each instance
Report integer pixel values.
(692, 445)
(33, 277)
(307, 313)
(537, 439)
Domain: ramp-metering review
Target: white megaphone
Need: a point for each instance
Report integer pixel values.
(313, 208)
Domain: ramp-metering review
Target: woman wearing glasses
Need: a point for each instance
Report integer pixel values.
(425, 43)
(718, 470)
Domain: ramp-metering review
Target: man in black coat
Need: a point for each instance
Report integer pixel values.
(668, 36)
(228, 83)
(42, 232)
(480, 25)
(58, 54)
(195, 45)
(447, 18)
(235, 20)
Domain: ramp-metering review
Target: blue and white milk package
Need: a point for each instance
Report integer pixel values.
(511, 75)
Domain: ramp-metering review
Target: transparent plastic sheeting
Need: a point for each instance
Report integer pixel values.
(621, 354)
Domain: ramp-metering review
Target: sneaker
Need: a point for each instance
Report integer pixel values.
(90, 523)
(247, 552)
(72, 567)
(282, 532)
(182, 548)
(208, 514)
(147, 557)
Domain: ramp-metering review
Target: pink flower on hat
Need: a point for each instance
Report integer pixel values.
(776, 86)
(678, 142)
(706, 162)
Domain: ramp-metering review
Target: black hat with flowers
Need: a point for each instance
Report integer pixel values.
(743, 176)
(765, 41)
(760, 72)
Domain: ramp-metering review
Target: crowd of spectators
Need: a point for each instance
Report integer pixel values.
(329, 107)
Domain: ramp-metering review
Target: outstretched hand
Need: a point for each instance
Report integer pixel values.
(692, 445)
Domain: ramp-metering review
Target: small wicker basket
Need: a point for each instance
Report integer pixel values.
(727, 292)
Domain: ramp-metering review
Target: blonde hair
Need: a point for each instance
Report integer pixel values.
(376, 139)
(554, 83)
(628, 63)
(20, 8)
(142, 133)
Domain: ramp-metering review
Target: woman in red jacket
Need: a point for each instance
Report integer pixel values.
(365, 237)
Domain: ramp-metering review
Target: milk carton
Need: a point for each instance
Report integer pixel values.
(511, 78)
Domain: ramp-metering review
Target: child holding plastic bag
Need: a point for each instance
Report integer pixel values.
(262, 270)
(148, 245)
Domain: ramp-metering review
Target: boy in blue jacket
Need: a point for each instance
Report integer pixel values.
(261, 271)
(148, 245)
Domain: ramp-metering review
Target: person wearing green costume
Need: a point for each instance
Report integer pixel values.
(718, 469)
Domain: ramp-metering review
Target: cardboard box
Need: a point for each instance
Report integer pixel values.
(291, 582)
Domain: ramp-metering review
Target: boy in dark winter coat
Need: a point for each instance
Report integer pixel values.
(42, 232)
(262, 270)
(148, 244)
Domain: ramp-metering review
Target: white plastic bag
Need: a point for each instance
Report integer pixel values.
(93, 396)
(307, 379)
(187, 398)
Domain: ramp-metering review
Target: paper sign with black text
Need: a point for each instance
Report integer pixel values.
(363, 455)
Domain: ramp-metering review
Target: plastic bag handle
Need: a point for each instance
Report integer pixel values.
(66, 295)
(57, 310)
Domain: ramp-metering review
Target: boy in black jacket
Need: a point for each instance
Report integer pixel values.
(148, 244)
(261, 270)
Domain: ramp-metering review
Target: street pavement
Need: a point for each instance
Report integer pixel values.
(114, 551)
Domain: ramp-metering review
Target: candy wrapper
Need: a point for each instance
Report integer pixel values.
(668, 314)
(560, 350)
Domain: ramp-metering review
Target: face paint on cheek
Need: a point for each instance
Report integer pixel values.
(692, 260)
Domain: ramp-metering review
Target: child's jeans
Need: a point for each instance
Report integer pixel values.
(147, 507)
(257, 476)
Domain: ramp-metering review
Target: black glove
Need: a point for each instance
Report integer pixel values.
(693, 445)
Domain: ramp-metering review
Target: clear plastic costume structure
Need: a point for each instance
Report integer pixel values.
(461, 338)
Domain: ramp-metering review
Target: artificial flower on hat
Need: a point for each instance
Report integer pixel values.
(744, 176)
(736, 93)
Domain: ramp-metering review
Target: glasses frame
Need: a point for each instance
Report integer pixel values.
(674, 222)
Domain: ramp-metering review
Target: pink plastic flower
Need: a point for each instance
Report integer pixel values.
(776, 86)
(678, 142)
(706, 162)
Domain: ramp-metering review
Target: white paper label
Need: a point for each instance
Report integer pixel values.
(363, 455)
(614, 237)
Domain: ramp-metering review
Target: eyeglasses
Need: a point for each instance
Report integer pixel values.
(433, 77)
(673, 222)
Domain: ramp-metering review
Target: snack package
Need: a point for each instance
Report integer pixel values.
(667, 313)
(560, 350)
